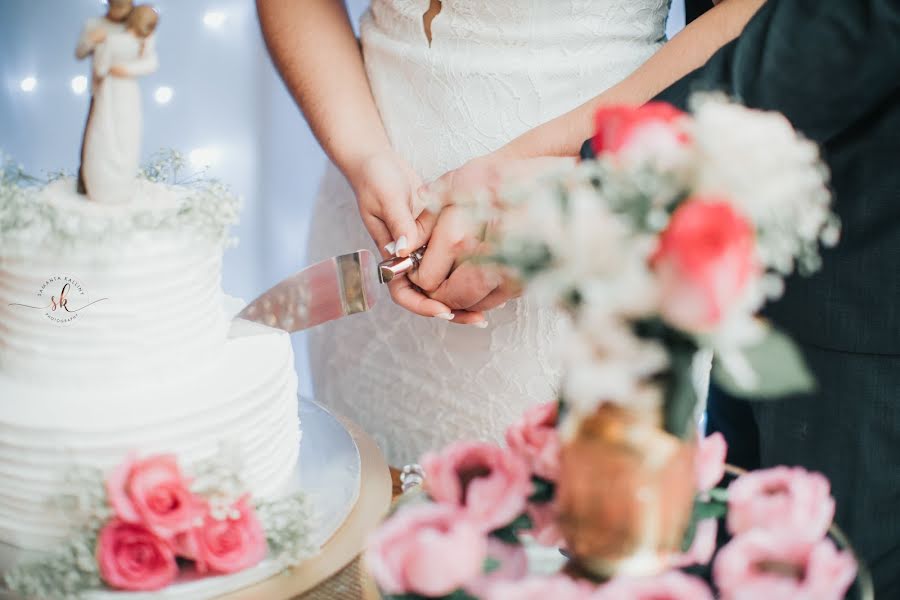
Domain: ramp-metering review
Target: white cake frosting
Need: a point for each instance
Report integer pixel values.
(156, 367)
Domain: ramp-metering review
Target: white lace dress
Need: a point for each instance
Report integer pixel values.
(494, 69)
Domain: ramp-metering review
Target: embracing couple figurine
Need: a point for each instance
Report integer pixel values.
(122, 47)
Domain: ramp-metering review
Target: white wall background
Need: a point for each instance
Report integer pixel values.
(227, 101)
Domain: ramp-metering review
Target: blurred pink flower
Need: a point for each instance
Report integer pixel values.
(512, 565)
(636, 134)
(703, 546)
(557, 587)
(673, 585)
(427, 549)
(535, 440)
(705, 260)
(488, 483)
(778, 566)
(710, 462)
(544, 525)
(779, 499)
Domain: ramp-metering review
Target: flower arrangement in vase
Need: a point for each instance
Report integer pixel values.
(660, 251)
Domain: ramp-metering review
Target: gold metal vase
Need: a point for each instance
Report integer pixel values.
(626, 492)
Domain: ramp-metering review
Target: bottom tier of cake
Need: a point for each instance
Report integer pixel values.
(246, 402)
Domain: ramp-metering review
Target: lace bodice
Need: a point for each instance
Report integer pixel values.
(493, 70)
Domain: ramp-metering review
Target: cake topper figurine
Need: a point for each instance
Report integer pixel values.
(123, 48)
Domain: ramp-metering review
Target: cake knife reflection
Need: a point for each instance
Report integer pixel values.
(328, 290)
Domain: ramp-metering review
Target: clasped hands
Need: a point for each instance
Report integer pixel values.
(401, 214)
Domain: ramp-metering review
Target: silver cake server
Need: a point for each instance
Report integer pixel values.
(328, 290)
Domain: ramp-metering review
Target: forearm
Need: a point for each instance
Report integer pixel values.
(314, 49)
(688, 50)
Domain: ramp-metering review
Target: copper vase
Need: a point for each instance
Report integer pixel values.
(626, 492)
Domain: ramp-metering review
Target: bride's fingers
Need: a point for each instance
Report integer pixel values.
(467, 286)
(468, 317)
(380, 234)
(407, 296)
(447, 243)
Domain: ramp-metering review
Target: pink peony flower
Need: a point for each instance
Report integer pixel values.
(703, 546)
(557, 587)
(131, 557)
(535, 440)
(783, 498)
(226, 545)
(153, 492)
(488, 483)
(673, 585)
(512, 565)
(775, 565)
(636, 133)
(704, 262)
(544, 524)
(710, 462)
(427, 549)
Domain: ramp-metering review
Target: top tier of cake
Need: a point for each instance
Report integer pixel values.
(142, 281)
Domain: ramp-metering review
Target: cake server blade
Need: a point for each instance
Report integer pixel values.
(328, 290)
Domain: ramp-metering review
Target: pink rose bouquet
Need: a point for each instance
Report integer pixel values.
(776, 565)
(489, 484)
(535, 440)
(781, 499)
(426, 549)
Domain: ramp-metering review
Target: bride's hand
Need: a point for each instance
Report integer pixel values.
(387, 194)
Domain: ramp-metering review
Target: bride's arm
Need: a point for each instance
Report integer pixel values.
(319, 59)
(318, 56)
(687, 51)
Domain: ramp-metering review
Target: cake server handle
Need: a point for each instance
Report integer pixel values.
(397, 266)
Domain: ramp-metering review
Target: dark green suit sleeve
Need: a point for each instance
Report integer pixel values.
(823, 63)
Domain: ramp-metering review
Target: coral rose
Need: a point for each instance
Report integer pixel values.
(230, 544)
(488, 483)
(427, 549)
(781, 499)
(131, 557)
(704, 262)
(778, 566)
(535, 440)
(636, 134)
(154, 492)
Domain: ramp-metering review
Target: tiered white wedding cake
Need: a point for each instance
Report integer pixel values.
(116, 337)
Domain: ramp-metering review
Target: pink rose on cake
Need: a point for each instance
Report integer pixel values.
(131, 557)
(489, 484)
(705, 261)
(781, 499)
(227, 542)
(154, 492)
(427, 549)
(535, 440)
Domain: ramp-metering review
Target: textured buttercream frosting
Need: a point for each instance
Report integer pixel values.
(152, 363)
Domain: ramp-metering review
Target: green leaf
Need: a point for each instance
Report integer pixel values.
(491, 564)
(779, 368)
(719, 495)
(712, 509)
(544, 491)
(510, 533)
